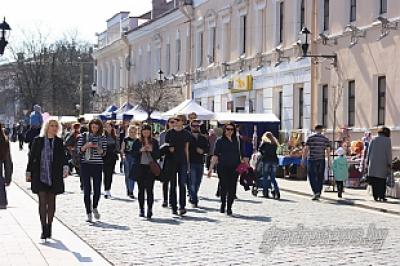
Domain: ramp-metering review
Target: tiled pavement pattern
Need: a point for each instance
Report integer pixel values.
(206, 237)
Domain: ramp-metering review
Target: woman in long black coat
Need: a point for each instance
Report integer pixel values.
(46, 170)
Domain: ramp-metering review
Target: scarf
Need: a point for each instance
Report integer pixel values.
(46, 161)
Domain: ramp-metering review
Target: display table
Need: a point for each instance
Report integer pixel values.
(284, 171)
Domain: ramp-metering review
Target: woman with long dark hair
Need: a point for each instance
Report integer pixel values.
(144, 150)
(110, 158)
(229, 152)
(5, 159)
(92, 145)
(46, 170)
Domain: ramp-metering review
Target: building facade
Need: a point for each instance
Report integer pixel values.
(363, 88)
(228, 55)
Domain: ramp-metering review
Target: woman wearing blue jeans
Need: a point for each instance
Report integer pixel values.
(126, 148)
(270, 163)
(92, 146)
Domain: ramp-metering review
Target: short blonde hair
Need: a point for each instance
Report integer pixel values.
(45, 128)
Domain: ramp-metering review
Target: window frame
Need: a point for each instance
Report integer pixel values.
(325, 105)
(281, 21)
(381, 107)
(326, 15)
(351, 98)
(353, 10)
(302, 14)
(178, 52)
(301, 108)
(382, 6)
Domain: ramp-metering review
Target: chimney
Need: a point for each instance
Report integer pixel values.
(159, 7)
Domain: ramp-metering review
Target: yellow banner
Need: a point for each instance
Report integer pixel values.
(241, 84)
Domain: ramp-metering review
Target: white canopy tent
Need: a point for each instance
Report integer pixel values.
(186, 108)
(137, 113)
(241, 117)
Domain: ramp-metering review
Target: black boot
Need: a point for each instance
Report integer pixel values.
(49, 231)
(44, 234)
(277, 195)
(273, 193)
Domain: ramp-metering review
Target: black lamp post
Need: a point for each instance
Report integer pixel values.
(304, 48)
(160, 80)
(5, 31)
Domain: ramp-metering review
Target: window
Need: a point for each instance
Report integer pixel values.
(302, 14)
(242, 36)
(140, 68)
(381, 100)
(178, 55)
(383, 7)
(353, 7)
(168, 59)
(200, 49)
(326, 15)
(211, 54)
(148, 74)
(157, 64)
(352, 103)
(280, 105)
(301, 107)
(281, 19)
(325, 106)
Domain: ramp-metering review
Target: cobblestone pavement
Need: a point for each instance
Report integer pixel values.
(206, 237)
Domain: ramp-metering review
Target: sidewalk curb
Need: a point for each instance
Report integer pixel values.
(344, 202)
(61, 222)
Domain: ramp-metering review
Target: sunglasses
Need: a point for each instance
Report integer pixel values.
(229, 129)
(195, 126)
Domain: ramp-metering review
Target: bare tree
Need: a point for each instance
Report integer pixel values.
(48, 73)
(337, 95)
(158, 96)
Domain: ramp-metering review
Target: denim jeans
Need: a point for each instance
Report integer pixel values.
(181, 170)
(269, 173)
(315, 172)
(196, 174)
(129, 183)
(3, 193)
(94, 172)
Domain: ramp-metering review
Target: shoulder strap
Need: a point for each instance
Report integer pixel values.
(240, 150)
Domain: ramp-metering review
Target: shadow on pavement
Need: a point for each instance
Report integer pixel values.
(253, 218)
(57, 244)
(110, 226)
(286, 200)
(199, 219)
(249, 201)
(170, 221)
(209, 209)
(121, 199)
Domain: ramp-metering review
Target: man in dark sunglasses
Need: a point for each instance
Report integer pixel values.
(198, 147)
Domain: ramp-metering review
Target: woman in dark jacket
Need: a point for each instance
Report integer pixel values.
(270, 163)
(110, 158)
(229, 152)
(5, 177)
(144, 150)
(378, 162)
(46, 170)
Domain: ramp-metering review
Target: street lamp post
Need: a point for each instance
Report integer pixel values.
(78, 108)
(5, 32)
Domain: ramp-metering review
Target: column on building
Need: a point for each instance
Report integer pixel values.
(108, 86)
(268, 100)
(103, 78)
(121, 85)
(307, 107)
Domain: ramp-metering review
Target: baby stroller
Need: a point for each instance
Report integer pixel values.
(259, 184)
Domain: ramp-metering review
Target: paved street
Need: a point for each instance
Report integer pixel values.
(206, 237)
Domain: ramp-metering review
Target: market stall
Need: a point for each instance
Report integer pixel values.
(251, 127)
(107, 114)
(188, 107)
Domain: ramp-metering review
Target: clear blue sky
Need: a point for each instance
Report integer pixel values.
(58, 16)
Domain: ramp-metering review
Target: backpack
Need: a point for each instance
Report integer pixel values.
(70, 141)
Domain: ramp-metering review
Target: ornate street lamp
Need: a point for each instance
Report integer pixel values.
(160, 80)
(304, 48)
(5, 32)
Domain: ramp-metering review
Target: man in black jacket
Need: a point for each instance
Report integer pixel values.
(198, 146)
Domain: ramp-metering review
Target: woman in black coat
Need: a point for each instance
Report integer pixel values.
(144, 150)
(46, 170)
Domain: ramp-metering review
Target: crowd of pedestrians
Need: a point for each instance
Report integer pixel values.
(176, 157)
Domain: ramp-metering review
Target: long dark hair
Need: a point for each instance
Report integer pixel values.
(142, 140)
(229, 123)
(96, 122)
(4, 144)
(112, 130)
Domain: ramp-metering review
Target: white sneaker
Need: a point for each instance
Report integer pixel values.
(89, 217)
(96, 214)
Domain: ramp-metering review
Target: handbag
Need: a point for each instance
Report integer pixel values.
(154, 167)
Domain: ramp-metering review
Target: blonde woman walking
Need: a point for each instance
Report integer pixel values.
(270, 163)
(46, 170)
